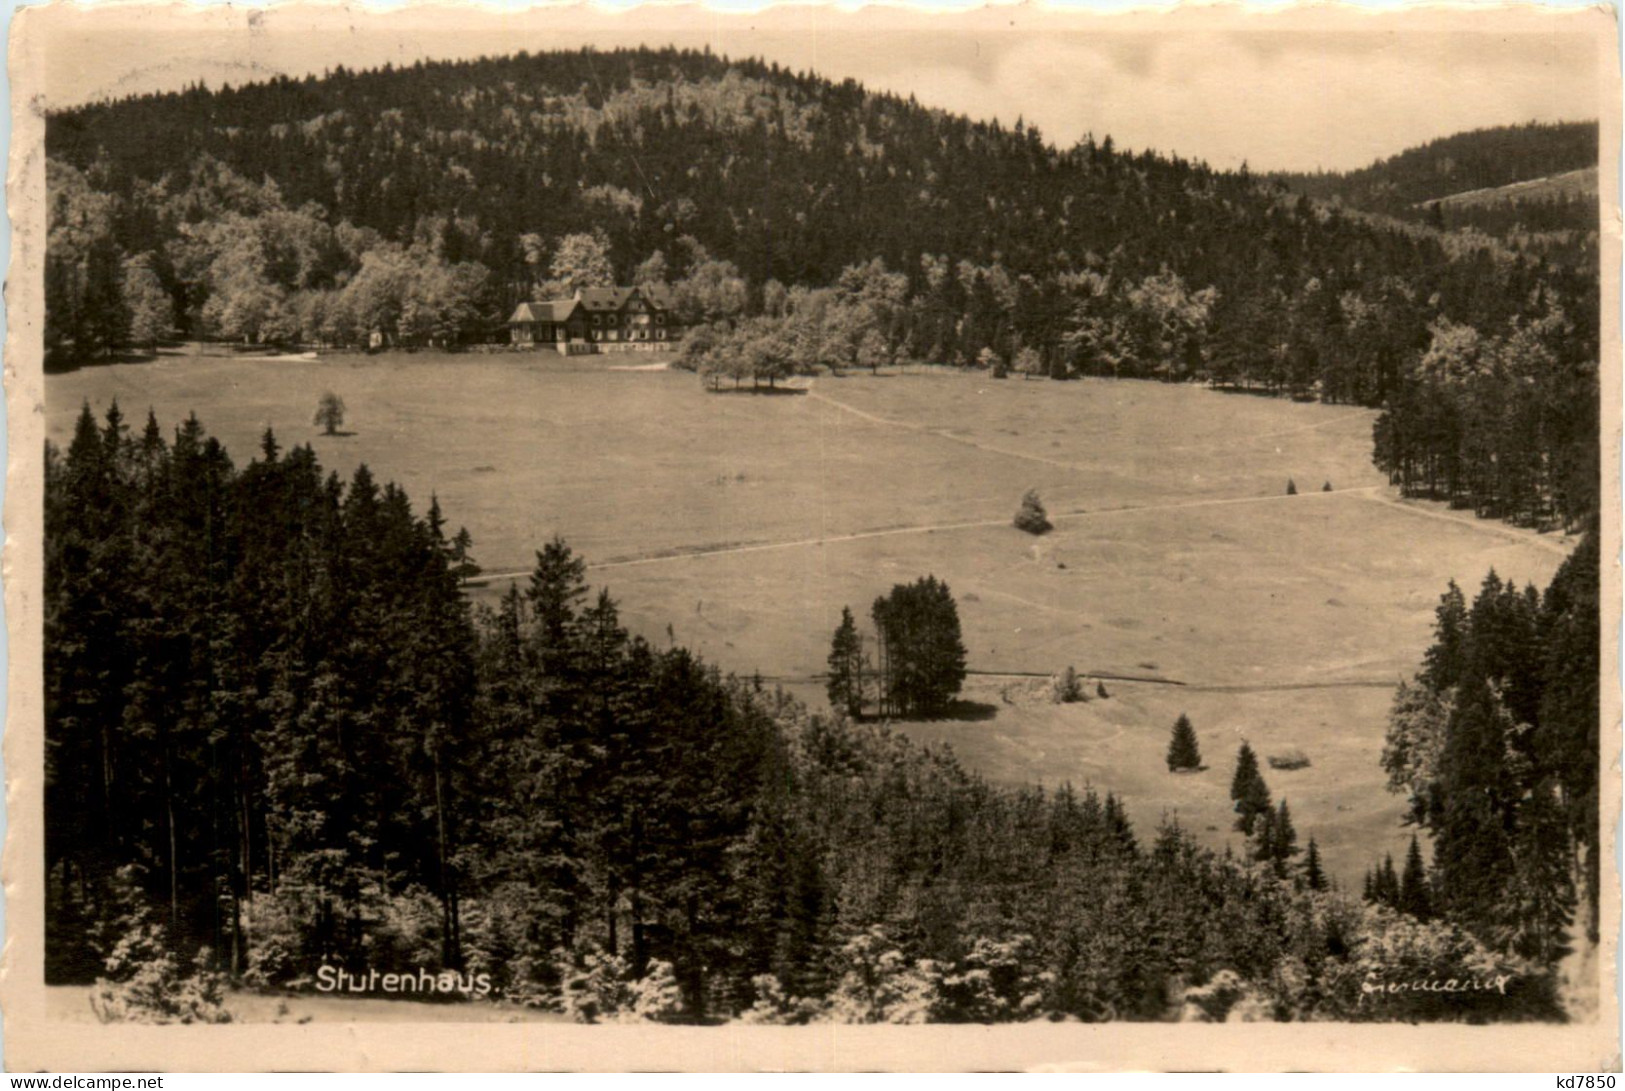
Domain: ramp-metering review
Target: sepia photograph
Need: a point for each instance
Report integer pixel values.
(751, 536)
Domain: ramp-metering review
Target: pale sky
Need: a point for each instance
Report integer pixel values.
(1290, 91)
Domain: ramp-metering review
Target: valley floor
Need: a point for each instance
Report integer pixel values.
(740, 525)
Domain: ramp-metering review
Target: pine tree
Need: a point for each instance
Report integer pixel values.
(1248, 791)
(1183, 752)
(1472, 850)
(1291, 487)
(1327, 487)
(1414, 897)
(557, 586)
(1261, 846)
(1284, 842)
(1387, 884)
(1442, 664)
(1540, 903)
(1566, 739)
(845, 687)
(1314, 876)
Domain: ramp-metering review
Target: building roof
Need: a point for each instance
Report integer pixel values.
(595, 301)
(658, 296)
(557, 310)
(604, 299)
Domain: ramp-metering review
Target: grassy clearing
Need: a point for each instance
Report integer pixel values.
(745, 523)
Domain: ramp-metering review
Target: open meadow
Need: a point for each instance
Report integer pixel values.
(743, 523)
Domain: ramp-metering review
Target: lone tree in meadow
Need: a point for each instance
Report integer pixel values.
(330, 413)
(1031, 516)
(845, 686)
(1291, 487)
(1326, 487)
(1183, 753)
(1248, 790)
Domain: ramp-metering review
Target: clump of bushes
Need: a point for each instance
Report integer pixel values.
(602, 989)
(146, 981)
(1066, 688)
(1031, 516)
(1289, 759)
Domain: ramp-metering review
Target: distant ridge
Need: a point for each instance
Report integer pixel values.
(1532, 177)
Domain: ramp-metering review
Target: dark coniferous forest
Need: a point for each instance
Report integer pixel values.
(279, 736)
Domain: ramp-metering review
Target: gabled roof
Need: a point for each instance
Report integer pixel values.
(604, 299)
(557, 310)
(658, 295)
(613, 299)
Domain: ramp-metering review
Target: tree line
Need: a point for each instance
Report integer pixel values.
(1495, 744)
(280, 737)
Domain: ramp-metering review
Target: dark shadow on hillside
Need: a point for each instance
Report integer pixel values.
(1251, 391)
(65, 367)
(340, 434)
(968, 712)
(759, 390)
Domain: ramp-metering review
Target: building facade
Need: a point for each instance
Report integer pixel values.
(638, 315)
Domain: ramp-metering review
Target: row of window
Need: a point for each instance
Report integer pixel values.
(631, 335)
(597, 320)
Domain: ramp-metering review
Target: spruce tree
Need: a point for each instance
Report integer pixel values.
(1388, 892)
(557, 586)
(845, 687)
(1414, 897)
(1284, 843)
(1183, 752)
(1314, 875)
(1248, 791)
(1566, 738)
(1472, 846)
(1291, 487)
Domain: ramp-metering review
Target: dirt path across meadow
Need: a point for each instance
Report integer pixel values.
(932, 528)
(1376, 493)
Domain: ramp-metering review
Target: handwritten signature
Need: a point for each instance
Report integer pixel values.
(1496, 983)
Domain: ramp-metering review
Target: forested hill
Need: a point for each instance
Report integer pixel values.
(1406, 184)
(417, 205)
(789, 176)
